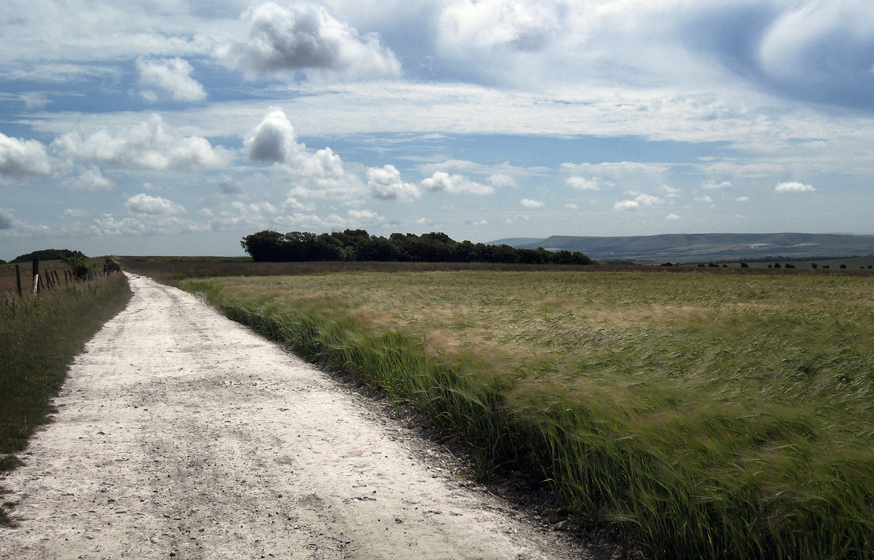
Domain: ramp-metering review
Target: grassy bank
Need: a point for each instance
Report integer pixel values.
(700, 415)
(39, 337)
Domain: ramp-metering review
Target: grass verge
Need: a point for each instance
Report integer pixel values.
(39, 337)
(700, 416)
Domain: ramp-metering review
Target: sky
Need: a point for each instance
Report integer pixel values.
(177, 127)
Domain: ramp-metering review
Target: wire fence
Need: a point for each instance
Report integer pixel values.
(35, 279)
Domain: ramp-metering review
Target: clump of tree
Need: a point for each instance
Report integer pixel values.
(111, 265)
(78, 266)
(358, 245)
(48, 255)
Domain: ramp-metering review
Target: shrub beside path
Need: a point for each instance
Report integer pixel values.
(181, 434)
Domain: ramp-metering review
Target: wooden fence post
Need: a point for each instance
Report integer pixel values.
(35, 276)
(18, 279)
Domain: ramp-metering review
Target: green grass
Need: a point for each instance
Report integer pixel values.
(698, 415)
(39, 337)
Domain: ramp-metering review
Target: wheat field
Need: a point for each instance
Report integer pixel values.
(697, 415)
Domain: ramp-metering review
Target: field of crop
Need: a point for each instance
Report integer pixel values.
(700, 415)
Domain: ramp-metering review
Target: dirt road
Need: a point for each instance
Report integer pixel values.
(181, 434)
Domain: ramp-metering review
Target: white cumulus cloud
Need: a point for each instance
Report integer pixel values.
(23, 158)
(640, 200)
(91, 180)
(444, 182)
(793, 187)
(626, 206)
(593, 184)
(273, 140)
(159, 77)
(521, 25)
(365, 216)
(323, 175)
(319, 174)
(528, 203)
(144, 204)
(503, 181)
(305, 37)
(648, 200)
(149, 145)
(385, 183)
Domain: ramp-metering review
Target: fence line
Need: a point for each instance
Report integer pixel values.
(50, 279)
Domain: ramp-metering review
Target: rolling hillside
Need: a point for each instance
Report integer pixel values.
(706, 246)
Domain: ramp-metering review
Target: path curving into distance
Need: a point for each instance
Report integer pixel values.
(180, 434)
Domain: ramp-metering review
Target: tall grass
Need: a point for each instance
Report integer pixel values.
(701, 416)
(39, 337)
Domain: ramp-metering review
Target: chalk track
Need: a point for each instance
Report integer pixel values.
(181, 434)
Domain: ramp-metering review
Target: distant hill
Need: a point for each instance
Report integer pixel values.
(48, 255)
(705, 246)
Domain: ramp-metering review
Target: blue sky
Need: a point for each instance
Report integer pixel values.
(176, 127)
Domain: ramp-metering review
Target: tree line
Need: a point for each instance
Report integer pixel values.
(358, 245)
(48, 255)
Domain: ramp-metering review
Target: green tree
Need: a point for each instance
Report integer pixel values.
(112, 265)
(329, 248)
(264, 246)
(78, 266)
(376, 249)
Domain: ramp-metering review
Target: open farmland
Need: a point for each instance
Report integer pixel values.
(700, 415)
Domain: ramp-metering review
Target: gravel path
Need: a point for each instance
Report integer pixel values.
(181, 434)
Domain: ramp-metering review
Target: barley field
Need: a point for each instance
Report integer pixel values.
(696, 415)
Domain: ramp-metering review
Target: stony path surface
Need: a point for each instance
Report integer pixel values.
(181, 434)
